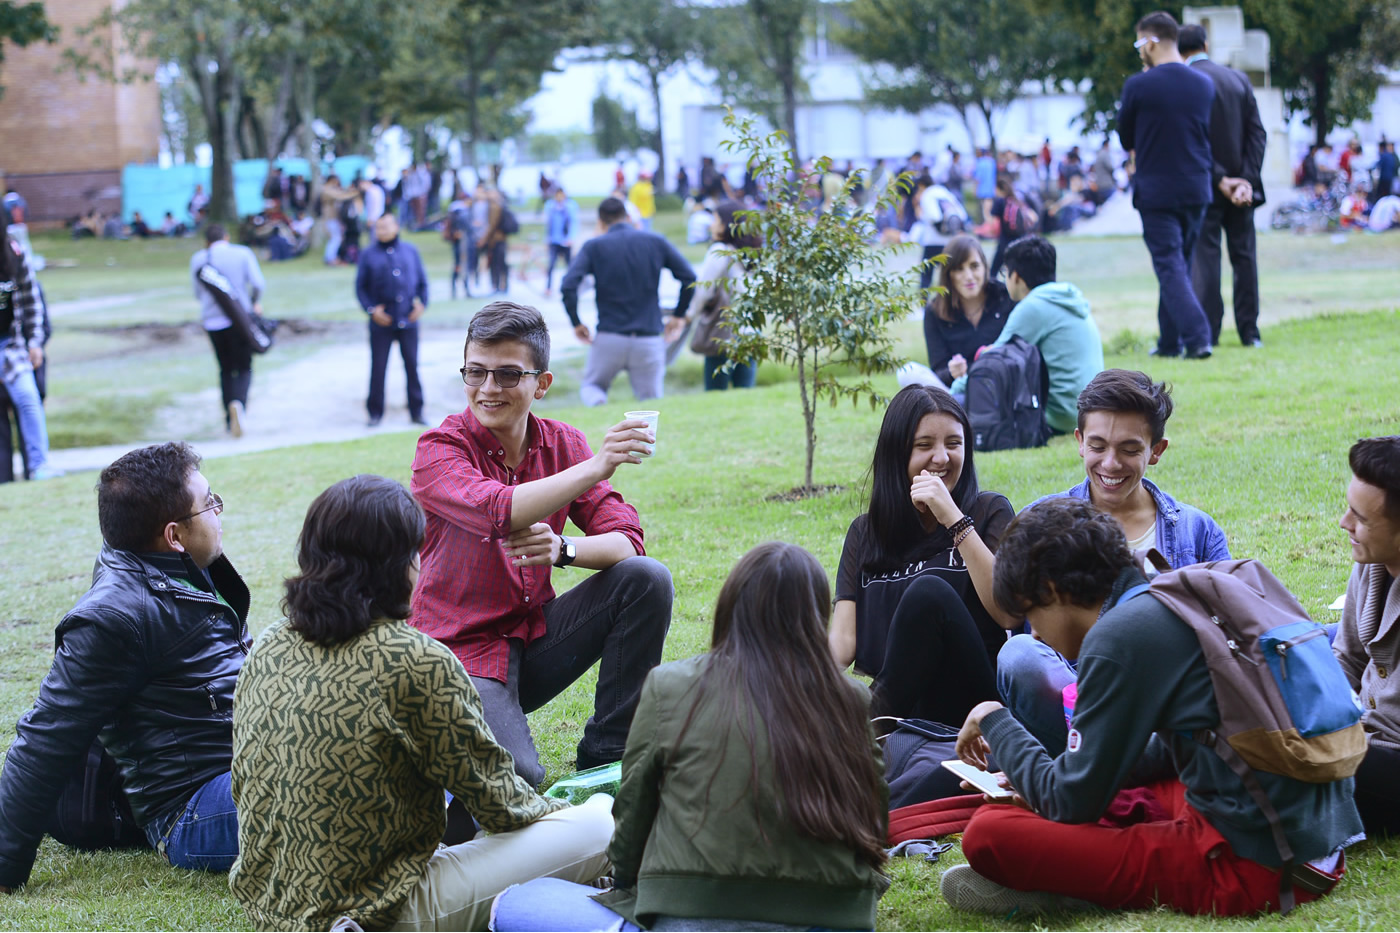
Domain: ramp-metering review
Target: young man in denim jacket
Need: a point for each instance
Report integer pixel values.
(1122, 424)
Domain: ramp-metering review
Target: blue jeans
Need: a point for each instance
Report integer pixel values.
(205, 836)
(1171, 239)
(554, 904)
(1030, 678)
(742, 376)
(29, 411)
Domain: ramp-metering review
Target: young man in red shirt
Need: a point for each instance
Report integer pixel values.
(497, 484)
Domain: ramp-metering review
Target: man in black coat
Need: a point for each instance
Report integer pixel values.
(1237, 141)
(145, 662)
(1164, 120)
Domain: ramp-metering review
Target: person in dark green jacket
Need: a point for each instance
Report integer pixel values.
(752, 792)
(1193, 838)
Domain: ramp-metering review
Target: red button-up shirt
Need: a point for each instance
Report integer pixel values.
(470, 596)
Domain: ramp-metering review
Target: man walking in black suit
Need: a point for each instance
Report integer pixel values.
(1237, 141)
(1164, 120)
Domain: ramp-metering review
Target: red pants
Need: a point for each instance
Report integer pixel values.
(1182, 863)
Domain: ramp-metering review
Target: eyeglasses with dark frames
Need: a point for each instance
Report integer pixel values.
(216, 505)
(505, 378)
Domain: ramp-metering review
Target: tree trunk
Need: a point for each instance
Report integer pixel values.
(789, 82)
(660, 139)
(991, 130)
(1319, 111)
(809, 412)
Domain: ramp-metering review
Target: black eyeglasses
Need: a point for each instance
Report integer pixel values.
(505, 378)
(216, 505)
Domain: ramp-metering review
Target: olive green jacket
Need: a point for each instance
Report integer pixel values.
(694, 838)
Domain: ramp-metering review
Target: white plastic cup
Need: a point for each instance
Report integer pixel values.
(650, 417)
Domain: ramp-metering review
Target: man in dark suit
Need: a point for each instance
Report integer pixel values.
(1237, 141)
(1164, 120)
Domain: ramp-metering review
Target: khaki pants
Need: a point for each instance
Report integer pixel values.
(456, 891)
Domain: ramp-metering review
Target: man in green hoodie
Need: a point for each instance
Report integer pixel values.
(1055, 317)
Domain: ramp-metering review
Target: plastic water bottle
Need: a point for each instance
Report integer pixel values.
(579, 786)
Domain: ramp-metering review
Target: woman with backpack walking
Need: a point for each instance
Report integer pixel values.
(751, 793)
(968, 315)
(719, 275)
(914, 607)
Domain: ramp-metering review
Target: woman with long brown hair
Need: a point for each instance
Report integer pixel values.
(751, 790)
(968, 315)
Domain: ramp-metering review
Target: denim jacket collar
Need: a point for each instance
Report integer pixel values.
(1169, 515)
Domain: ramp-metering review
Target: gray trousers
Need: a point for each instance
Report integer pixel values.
(644, 359)
(619, 616)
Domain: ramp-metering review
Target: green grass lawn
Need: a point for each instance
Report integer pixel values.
(1259, 441)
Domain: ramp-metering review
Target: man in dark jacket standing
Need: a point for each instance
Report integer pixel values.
(1164, 120)
(1237, 140)
(626, 266)
(393, 290)
(146, 663)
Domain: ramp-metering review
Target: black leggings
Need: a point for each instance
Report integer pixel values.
(1377, 781)
(936, 663)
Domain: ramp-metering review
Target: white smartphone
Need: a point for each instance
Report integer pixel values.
(984, 781)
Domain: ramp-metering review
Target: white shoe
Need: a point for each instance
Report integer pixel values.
(964, 889)
(235, 418)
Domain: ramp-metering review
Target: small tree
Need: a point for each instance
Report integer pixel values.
(818, 294)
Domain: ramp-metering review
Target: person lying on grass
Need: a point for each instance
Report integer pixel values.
(1122, 431)
(1198, 843)
(1368, 639)
(498, 484)
(914, 605)
(145, 663)
(349, 725)
(752, 795)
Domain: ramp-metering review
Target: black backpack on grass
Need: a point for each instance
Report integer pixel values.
(1006, 391)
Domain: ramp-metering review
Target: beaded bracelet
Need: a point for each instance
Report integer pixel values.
(962, 536)
(960, 526)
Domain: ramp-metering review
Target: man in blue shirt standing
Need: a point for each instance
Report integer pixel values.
(1164, 120)
(393, 290)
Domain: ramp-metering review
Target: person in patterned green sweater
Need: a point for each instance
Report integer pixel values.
(348, 727)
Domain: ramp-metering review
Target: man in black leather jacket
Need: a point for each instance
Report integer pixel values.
(146, 661)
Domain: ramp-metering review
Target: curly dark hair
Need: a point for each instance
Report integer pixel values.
(359, 541)
(1062, 541)
(141, 492)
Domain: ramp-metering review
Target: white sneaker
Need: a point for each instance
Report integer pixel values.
(964, 889)
(235, 418)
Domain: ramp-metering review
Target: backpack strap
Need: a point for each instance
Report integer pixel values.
(1133, 591)
(1208, 738)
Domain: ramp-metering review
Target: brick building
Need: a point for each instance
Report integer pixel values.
(67, 139)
